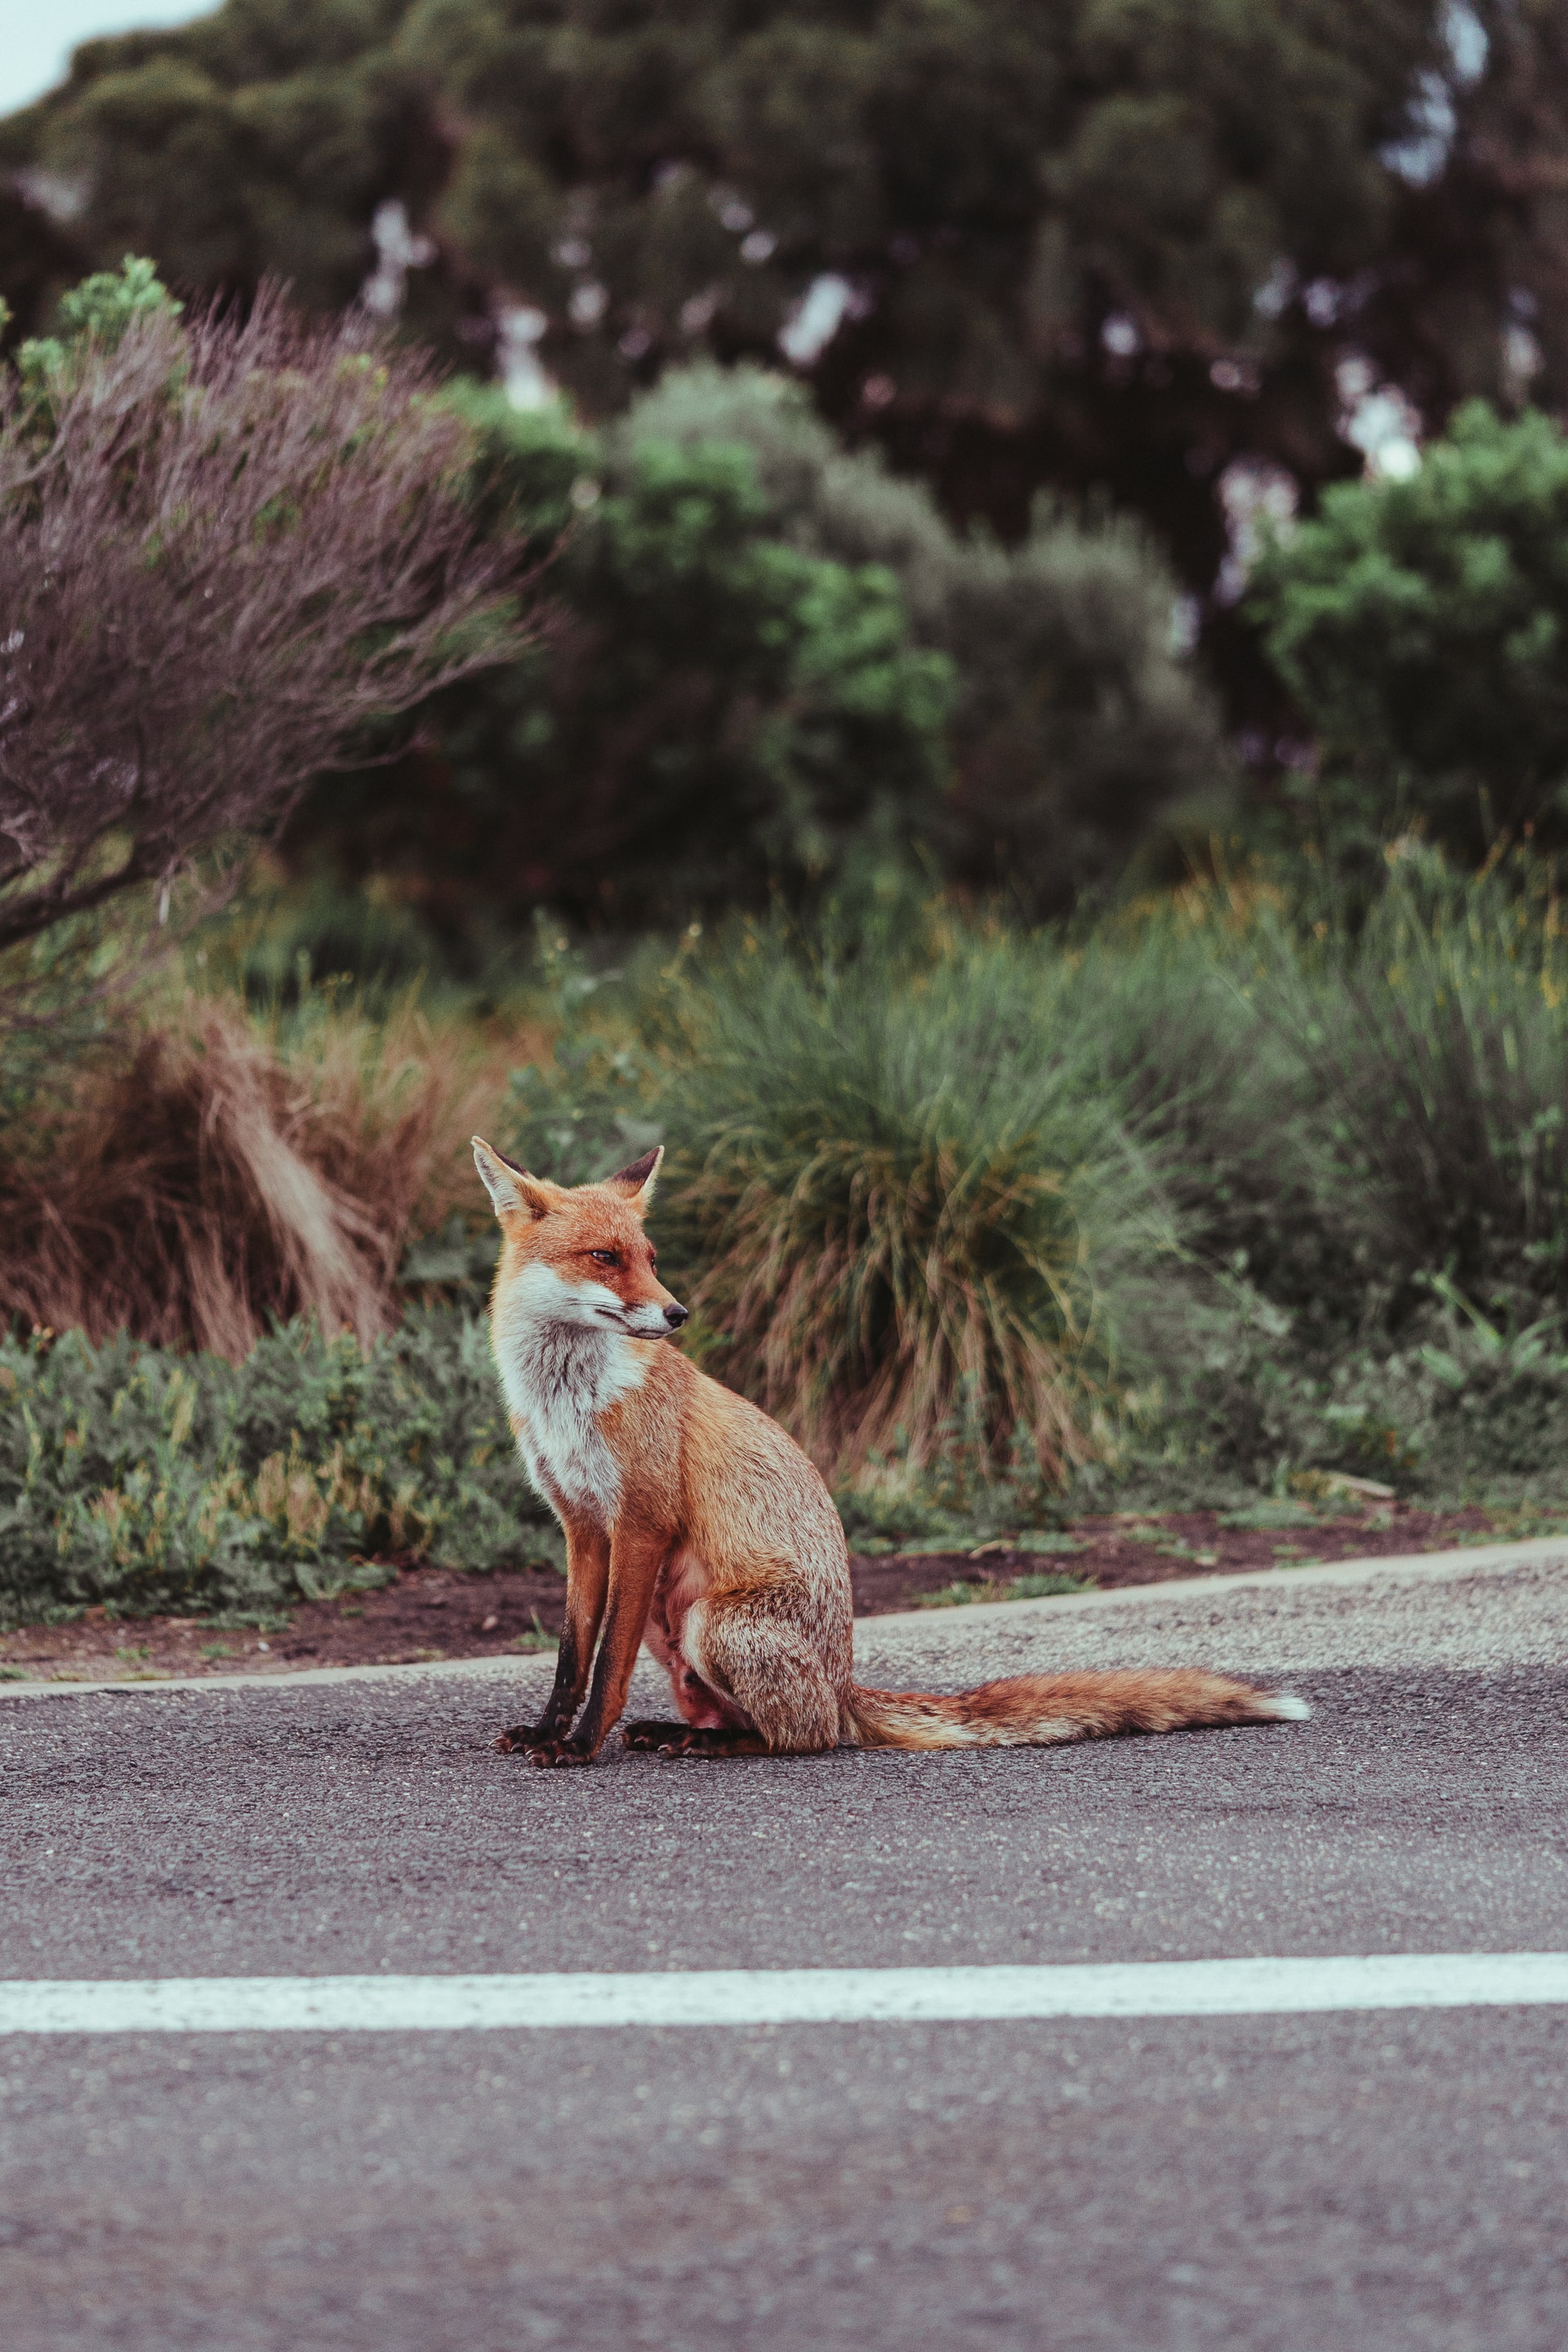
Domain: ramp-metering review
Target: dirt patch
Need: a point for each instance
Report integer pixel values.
(425, 1612)
(431, 1614)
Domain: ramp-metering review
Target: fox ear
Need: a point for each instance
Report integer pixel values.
(512, 1191)
(636, 1183)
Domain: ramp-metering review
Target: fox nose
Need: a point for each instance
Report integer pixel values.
(675, 1315)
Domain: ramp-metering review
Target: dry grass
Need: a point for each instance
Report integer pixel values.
(217, 1174)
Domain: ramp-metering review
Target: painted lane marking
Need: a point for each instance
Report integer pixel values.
(1255, 1988)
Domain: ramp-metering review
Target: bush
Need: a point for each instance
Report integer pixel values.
(892, 1199)
(1075, 732)
(775, 665)
(1178, 1002)
(905, 1204)
(226, 545)
(1184, 1181)
(1422, 626)
(1435, 1045)
(149, 1481)
(1340, 1109)
(715, 712)
(1461, 1409)
(1184, 1208)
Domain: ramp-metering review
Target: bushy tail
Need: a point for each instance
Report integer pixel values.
(1043, 1710)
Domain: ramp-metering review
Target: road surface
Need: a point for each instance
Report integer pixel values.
(1369, 2180)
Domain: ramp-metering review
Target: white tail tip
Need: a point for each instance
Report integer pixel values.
(1285, 1707)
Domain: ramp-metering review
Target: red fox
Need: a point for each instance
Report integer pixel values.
(694, 1523)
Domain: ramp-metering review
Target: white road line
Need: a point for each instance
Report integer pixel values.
(1254, 1987)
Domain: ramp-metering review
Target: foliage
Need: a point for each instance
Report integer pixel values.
(1122, 243)
(1200, 1206)
(1075, 730)
(1462, 1408)
(1343, 1108)
(151, 1481)
(898, 1196)
(891, 1196)
(1195, 1172)
(1436, 1046)
(1176, 999)
(225, 546)
(765, 654)
(594, 1104)
(1360, 1131)
(1423, 627)
(715, 711)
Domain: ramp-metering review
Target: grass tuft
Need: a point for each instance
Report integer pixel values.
(228, 1174)
(899, 1198)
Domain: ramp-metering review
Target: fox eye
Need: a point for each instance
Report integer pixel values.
(604, 1257)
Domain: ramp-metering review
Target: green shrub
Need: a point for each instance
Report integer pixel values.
(1421, 627)
(1339, 1110)
(1171, 1191)
(1176, 1003)
(1360, 1131)
(895, 1206)
(151, 1481)
(774, 665)
(714, 712)
(1075, 732)
(1480, 1402)
(1181, 1209)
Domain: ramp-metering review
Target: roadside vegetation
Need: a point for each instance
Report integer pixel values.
(1190, 1207)
(1056, 1123)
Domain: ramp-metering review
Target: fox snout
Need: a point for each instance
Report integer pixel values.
(654, 1322)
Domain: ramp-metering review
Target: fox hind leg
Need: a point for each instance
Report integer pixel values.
(711, 1724)
(768, 1669)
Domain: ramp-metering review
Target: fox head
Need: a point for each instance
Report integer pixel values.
(578, 1255)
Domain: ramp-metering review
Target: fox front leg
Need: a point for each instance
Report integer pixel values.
(587, 1582)
(635, 1558)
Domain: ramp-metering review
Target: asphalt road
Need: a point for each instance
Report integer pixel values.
(1284, 2184)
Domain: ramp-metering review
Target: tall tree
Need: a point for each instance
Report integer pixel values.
(1020, 242)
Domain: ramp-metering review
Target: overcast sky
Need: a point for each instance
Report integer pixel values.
(36, 36)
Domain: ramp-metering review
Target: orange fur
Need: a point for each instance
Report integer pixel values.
(694, 1522)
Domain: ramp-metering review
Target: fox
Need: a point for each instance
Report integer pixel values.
(693, 1522)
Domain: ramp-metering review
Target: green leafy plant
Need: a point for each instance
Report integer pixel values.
(1076, 734)
(1421, 625)
(714, 711)
(152, 1482)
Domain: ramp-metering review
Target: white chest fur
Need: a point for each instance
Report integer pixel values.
(559, 1377)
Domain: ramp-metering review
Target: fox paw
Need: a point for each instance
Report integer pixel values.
(657, 1739)
(554, 1754)
(686, 1739)
(524, 1738)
